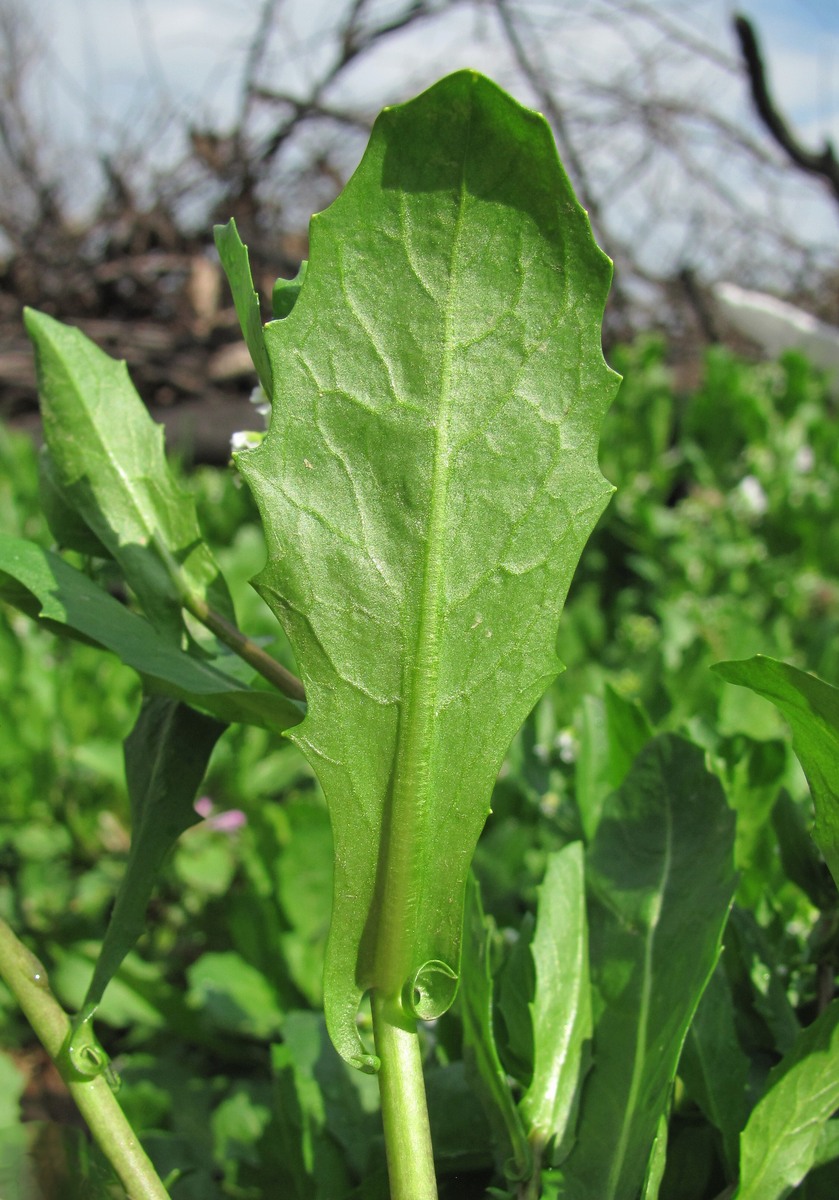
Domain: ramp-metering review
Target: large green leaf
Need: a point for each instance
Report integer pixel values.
(781, 1140)
(661, 877)
(106, 460)
(562, 1002)
(427, 485)
(812, 708)
(44, 586)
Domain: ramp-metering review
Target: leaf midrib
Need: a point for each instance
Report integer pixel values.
(411, 781)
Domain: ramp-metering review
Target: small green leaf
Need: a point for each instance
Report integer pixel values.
(45, 587)
(166, 756)
(812, 709)
(800, 858)
(614, 731)
(483, 1065)
(234, 259)
(427, 485)
(781, 1140)
(286, 291)
(234, 996)
(107, 461)
(562, 1003)
(660, 874)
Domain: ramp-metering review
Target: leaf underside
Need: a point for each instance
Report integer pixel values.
(427, 485)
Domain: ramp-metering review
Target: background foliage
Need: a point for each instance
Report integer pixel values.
(719, 544)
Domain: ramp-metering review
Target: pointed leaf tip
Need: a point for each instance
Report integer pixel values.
(236, 264)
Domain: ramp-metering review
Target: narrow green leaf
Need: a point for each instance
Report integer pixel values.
(781, 1140)
(661, 877)
(286, 291)
(812, 709)
(614, 731)
(657, 1162)
(166, 756)
(562, 1003)
(45, 587)
(107, 458)
(427, 485)
(480, 1052)
(234, 259)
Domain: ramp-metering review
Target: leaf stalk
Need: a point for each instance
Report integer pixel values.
(410, 1158)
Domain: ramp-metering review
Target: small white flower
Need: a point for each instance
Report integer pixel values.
(804, 460)
(245, 439)
(753, 496)
(566, 745)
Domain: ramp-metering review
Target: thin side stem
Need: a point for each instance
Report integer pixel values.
(227, 633)
(410, 1159)
(26, 978)
(242, 645)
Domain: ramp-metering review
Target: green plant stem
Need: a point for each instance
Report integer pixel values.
(26, 978)
(227, 633)
(531, 1188)
(242, 645)
(410, 1159)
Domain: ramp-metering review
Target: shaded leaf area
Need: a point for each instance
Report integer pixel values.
(46, 587)
(286, 291)
(812, 708)
(784, 1134)
(661, 878)
(483, 1066)
(714, 1067)
(426, 486)
(107, 465)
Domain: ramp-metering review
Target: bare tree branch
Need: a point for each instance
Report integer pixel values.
(823, 162)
